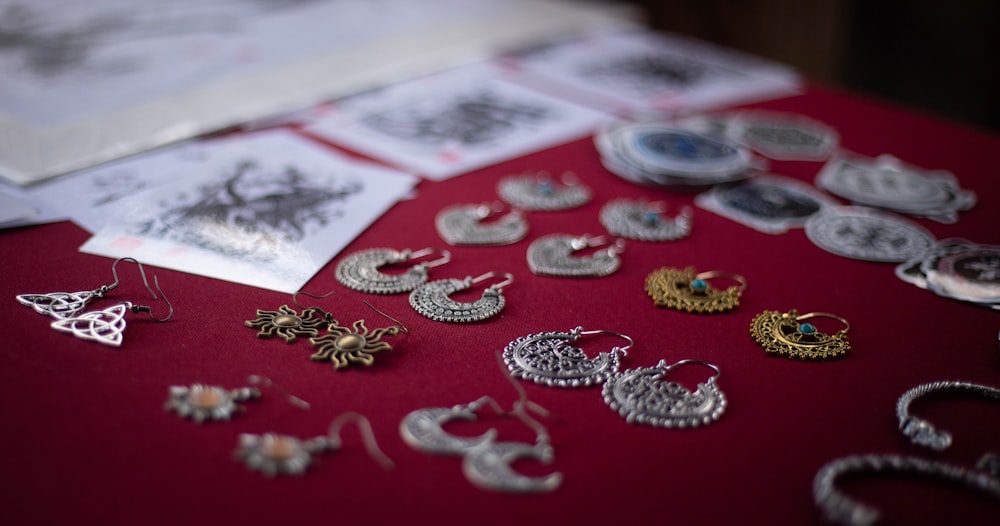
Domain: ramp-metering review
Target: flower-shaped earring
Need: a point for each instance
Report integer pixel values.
(212, 403)
(689, 291)
(788, 334)
(462, 225)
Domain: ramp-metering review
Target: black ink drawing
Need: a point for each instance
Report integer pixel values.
(650, 73)
(768, 201)
(252, 213)
(466, 120)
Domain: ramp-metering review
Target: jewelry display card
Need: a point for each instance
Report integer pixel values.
(454, 122)
(267, 209)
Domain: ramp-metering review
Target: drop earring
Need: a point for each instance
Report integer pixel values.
(643, 396)
(212, 403)
(644, 221)
(61, 305)
(921, 431)
(274, 454)
(462, 225)
(343, 347)
(549, 358)
(689, 291)
(540, 192)
(432, 299)
(360, 270)
(423, 429)
(552, 255)
(787, 334)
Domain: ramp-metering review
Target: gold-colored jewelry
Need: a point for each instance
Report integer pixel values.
(286, 323)
(689, 291)
(343, 347)
(787, 335)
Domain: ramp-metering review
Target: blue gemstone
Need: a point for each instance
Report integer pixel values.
(807, 328)
(699, 285)
(650, 218)
(546, 188)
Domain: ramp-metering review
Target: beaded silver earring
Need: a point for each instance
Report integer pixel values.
(462, 225)
(549, 358)
(432, 299)
(552, 255)
(644, 221)
(540, 192)
(643, 396)
(360, 270)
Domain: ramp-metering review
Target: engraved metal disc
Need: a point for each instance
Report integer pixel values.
(552, 255)
(359, 271)
(633, 220)
(529, 192)
(431, 300)
(642, 396)
(964, 271)
(462, 225)
(547, 358)
(488, 467)
(861, 233)
(421, 429)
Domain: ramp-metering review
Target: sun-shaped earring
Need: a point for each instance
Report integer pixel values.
(212, 403)
(360, 270)
(689, 291)
(788, 334)
(552, 255)
(344, 346)
(644, 221)
(432, 299)
(462, 225)
(540, 192)
(287, 324)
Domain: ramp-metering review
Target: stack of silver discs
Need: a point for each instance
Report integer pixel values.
(957, 269)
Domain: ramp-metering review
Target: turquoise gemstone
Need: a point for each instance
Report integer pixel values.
(546, 188)
(650, 218)
(699, 285)
(807, 328)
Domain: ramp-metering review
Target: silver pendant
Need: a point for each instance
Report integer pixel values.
(462, 225)
(422, 429)
(643, 221)
(104, 326)
(360, 270)
(59, 305)
(548, 358)
(488, 467)
(552, 255)
(530, 192)
(431, 300)
(642, 396)
(208, 402)
(862, 233)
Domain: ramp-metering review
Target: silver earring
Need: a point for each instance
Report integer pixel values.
(422, 429)
(921, 431)
(552, 255)
(273, 454)
(642, 396)
(431, 299)
(108, 326)
(539, 192)
(212, 403)
(644, 221)
(360, 270)
(61, 305)
(549, 358)
(462, 225)
(839, 508)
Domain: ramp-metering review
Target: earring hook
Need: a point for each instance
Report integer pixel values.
(399, 323)
(148, 310)
(255, 379)
(326, 314)
(718, 372)
(623, 350)
(712, 274)
(367, 437)
(808, 315)
(508, 279)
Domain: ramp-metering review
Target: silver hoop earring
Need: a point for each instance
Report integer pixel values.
(462, 225)
(540, 192)
(644, 221)
(924, 433)
(360, 270)
(212, 403)
(423, 429)
(431, 299)
(549, 358)
(61, 305)
(107, 326)
(642, 396)
(552, 255)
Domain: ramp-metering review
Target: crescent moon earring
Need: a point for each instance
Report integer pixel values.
(643, 396)
(463, 225)
(644, 221)
(549, 358)
(360, 270)
(540, 192)
(423, 429)
(922, 432)
(432, 299)
(212, 403)
(689, 291)
(788, 334)
(552, 255)
(61, 305)
(274, 454)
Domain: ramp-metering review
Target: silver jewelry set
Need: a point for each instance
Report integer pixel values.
(106, 326)
(984, 477)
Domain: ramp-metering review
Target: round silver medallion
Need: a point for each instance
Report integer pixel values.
(862, 233)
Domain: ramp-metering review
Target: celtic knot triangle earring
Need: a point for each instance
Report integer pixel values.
(688, 291)
(643, 396)
(549, 358)
(212, 403)
(540, 192)
(644, 221)
(274, 454)
(552, 255)
(463, 225)
(432, 299)
(360, 270)
(357, 345)
(787, 334)
(921, 431)
(61, 305)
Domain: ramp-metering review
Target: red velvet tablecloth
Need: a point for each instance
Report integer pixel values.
(86, 440)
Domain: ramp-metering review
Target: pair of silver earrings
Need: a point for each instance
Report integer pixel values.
(641, 396)
(541, 193)
(644, 221)
(485, 460)
(554, 255)
(433, 300)
(105, 326)
(463, 225)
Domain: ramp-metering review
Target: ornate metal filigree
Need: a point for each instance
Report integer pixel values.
(548, 358)
(287, 324)
(682, 290)
(783, 334)
(104, 326)
(643, 396)
(344, 347)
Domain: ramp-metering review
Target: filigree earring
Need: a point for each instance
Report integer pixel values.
(922, 432)
(787, 334)
(212, 403)
(432, 299)
(273, 454)
(462, 225)
(549, 358)
(689, 291)
(643, 396)
(540, 192)
(61, 305)
(360, 270)
(552, 255)
(423, 429)
(644, 221)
